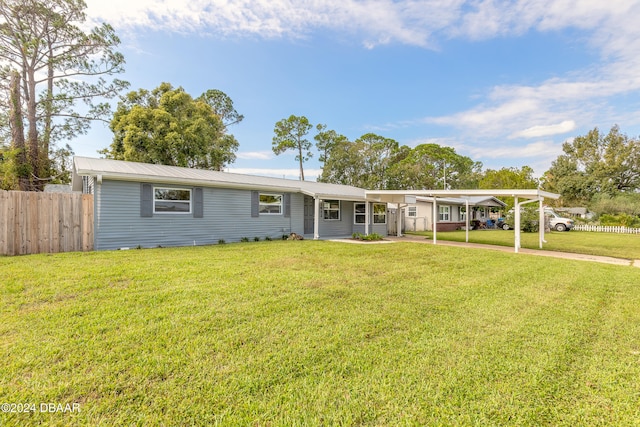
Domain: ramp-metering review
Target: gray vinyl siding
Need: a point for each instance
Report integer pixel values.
(346, 226)
(337, 228)
(226, 215)
(381, 229)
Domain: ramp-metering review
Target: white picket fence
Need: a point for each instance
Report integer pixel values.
(606, 229)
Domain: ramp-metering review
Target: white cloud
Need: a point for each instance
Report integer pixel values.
(548, 130)
(255, 155)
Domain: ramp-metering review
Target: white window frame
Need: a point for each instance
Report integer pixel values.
(462, 212)
(382, 213)
(412, 211)
(357, 214)
(327, 209)
(187, 202)
(444, 213)
(261, 204)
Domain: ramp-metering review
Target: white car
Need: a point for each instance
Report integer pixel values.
(556, 222)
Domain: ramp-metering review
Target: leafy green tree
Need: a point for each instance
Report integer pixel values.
(364, 162)
(343, 164)
(508, 178)
(167, 126)
(290, 135)
(431, 166)
(49, 65)
(377, 155)
(595, 164)
(326, 140)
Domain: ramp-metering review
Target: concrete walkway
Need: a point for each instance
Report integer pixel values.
(509, 249)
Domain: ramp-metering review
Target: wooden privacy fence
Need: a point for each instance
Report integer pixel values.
(32, 222)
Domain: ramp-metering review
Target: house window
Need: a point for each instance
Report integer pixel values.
(331, 210)
(379, 213)
(462, 211)
(444, 213)
(171, 200)
(412, 211)
(359, 213)
(270, 204)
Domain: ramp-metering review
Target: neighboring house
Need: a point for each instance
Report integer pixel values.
(575, 212)
(147, 205)
(451, 212)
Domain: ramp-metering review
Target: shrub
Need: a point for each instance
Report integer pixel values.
(221, 242)
(372, 236)
(256, 239)
(268, 239)
(244, 239)
(622, 219)
(529, 219)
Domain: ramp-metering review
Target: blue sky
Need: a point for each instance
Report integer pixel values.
(502, 82)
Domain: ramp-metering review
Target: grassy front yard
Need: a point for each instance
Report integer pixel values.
(607, 244)
(319, 333)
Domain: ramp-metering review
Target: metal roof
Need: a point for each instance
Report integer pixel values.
(473, 200)
(145, 172)
(398, 195)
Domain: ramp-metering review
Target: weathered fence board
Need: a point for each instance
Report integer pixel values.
(32, 222)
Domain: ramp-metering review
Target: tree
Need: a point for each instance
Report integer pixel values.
(167, 126)
(508, 178)
(595, 164)
(431, 166)
(290, 135)
(326, 140)
(364, 162)
(50, 64)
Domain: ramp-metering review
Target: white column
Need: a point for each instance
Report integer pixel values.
(366, 220)
(399, 222)
(466, 216)
(316, 218)
(541, 224)
(435, 220)
(517, 224)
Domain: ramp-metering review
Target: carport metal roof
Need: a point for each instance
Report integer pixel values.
(529, 196)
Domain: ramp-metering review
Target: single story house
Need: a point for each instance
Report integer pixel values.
(577, 212)
(148, 205)
(452, 212)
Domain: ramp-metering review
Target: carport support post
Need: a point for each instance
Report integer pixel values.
(399, 221)
(517, 224)
(366, 216)
(316, 218)
(435, 220)
(541, 223)
(466, 217)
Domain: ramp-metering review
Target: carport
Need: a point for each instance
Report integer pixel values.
(521, 197)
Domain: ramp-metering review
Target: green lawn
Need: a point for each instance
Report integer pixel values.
(319, 333)
(625, 246)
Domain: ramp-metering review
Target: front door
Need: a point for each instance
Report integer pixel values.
(309, 209)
